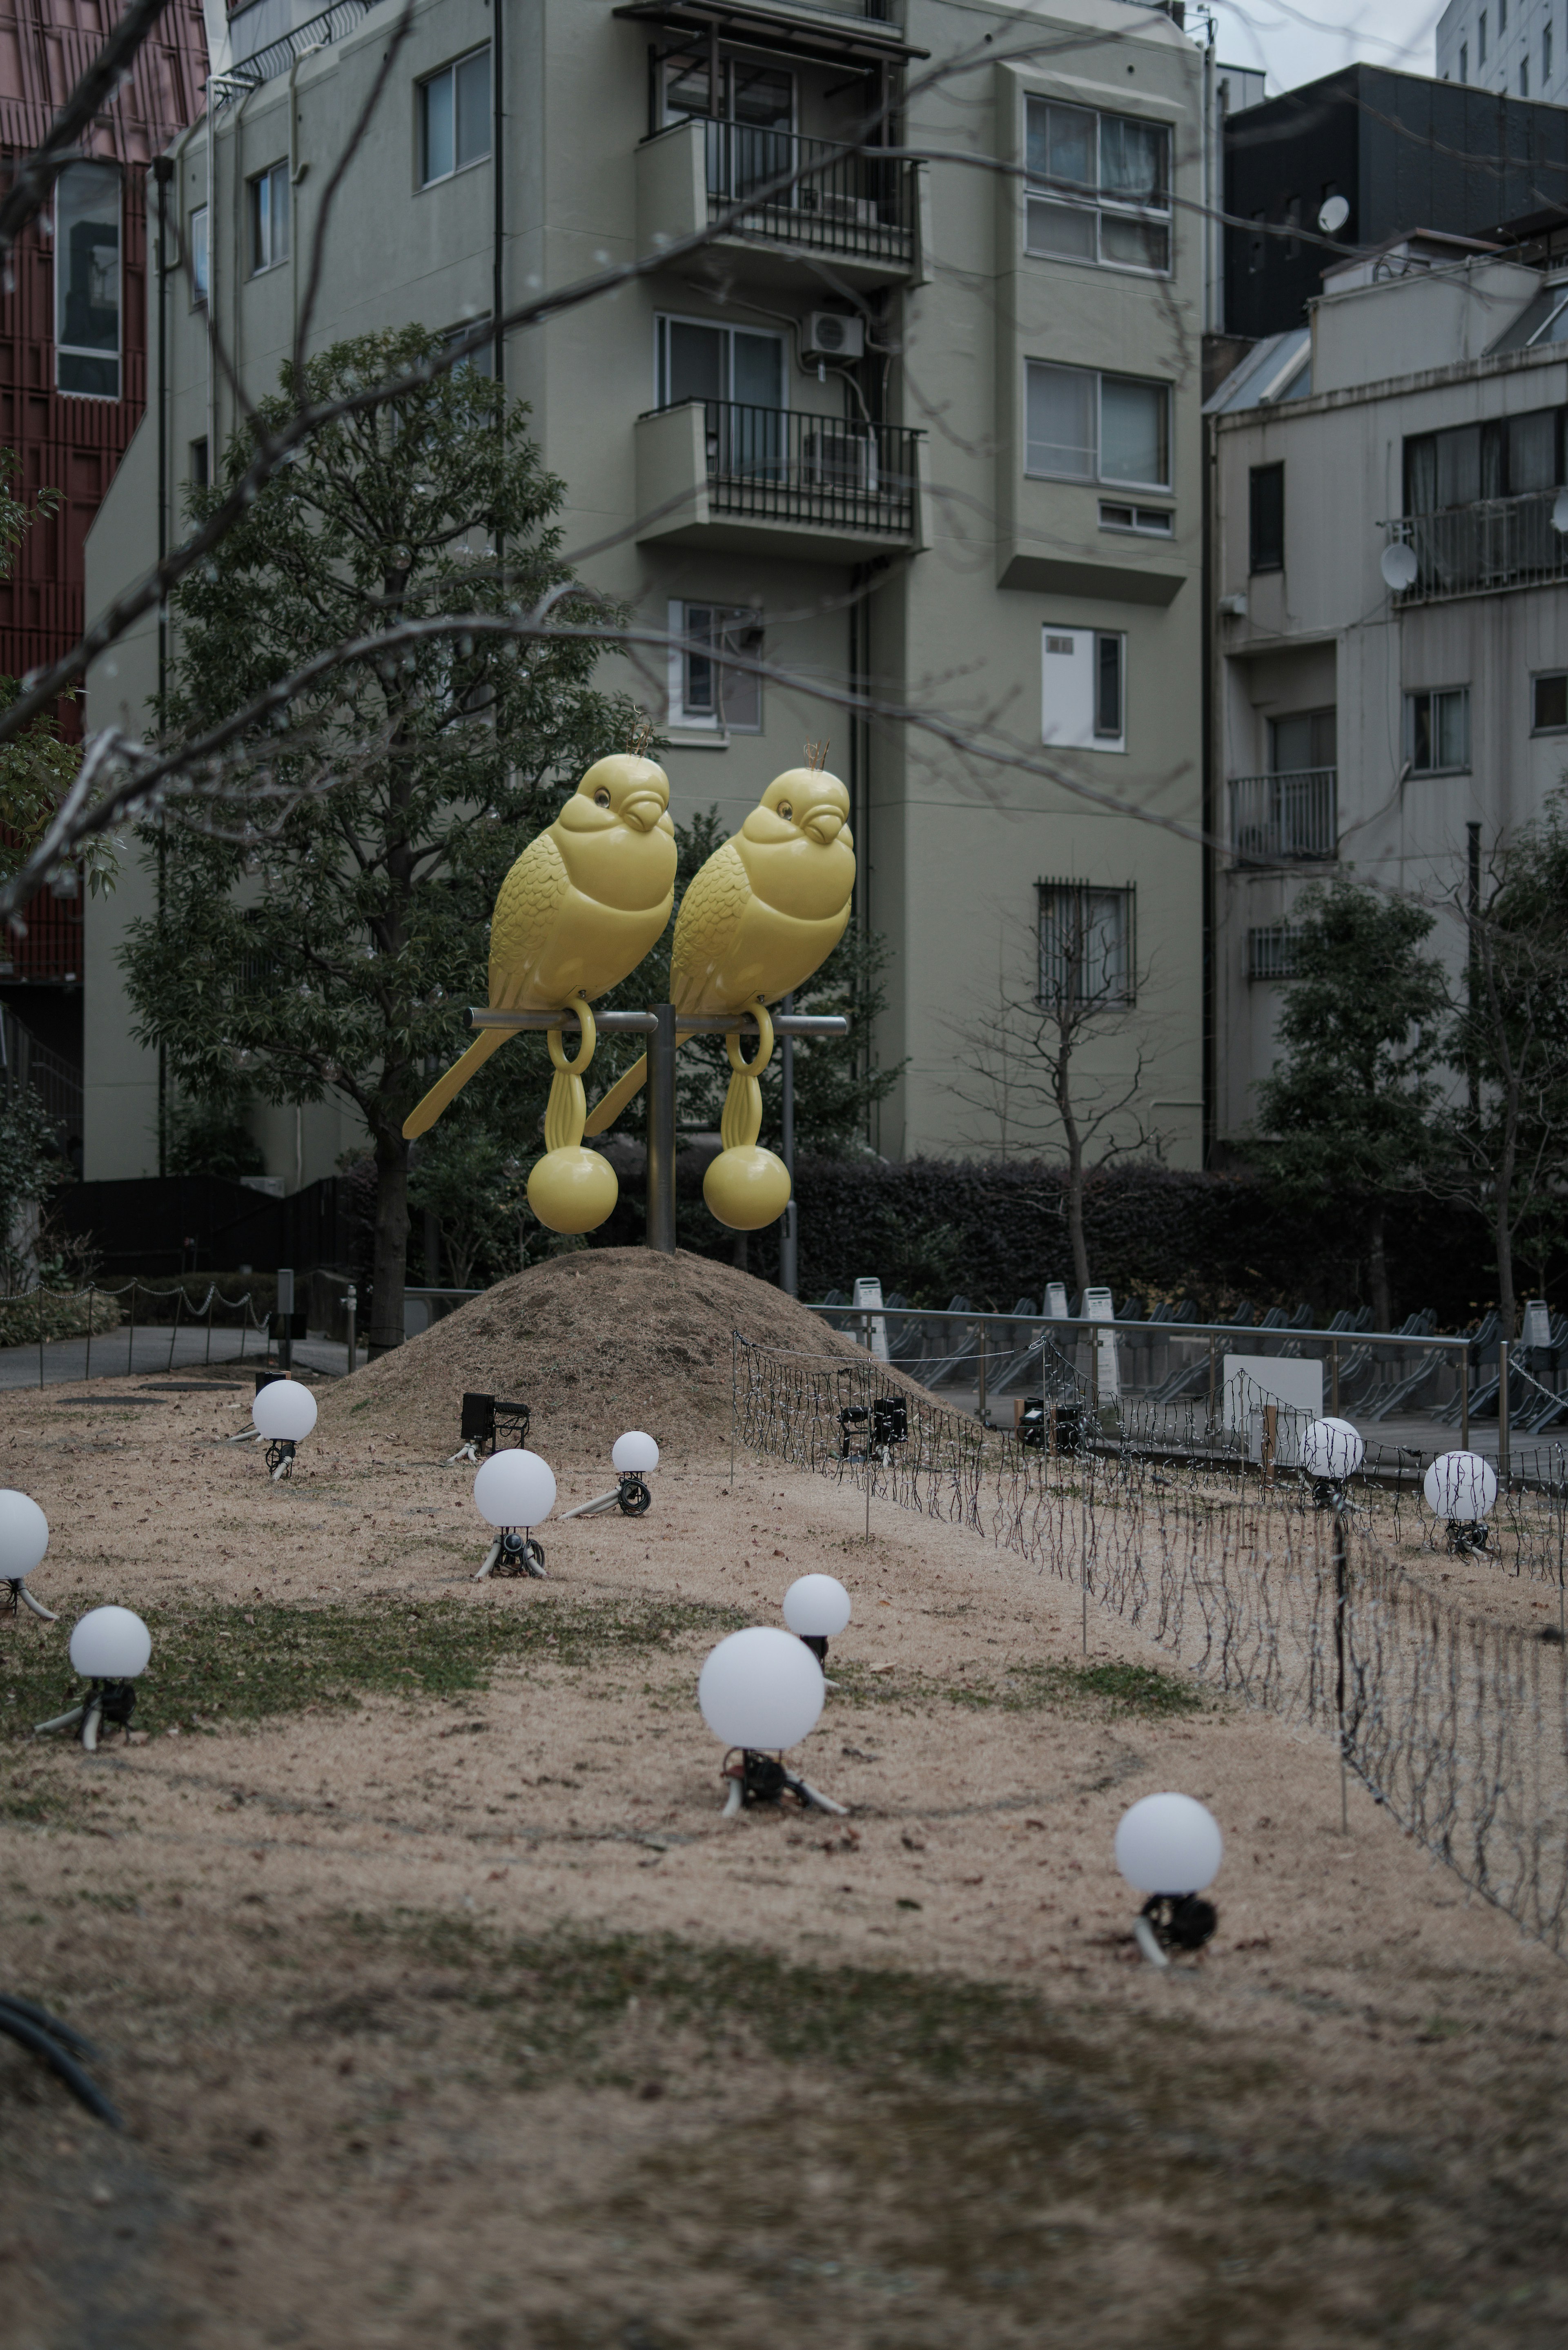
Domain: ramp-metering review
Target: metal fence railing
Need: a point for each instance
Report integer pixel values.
(1493, 544)
(1285, 820)
(780, 465)
(266, 65)
(850, 202)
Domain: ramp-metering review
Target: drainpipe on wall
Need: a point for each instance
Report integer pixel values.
(162, 172)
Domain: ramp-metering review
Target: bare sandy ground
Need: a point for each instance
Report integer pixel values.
(382, 1996)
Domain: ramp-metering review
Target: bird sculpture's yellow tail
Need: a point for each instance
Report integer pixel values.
(625, 1089)
(446, 1088)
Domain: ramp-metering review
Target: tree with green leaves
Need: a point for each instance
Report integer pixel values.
(327, 938)
(1348, 1113)
(38, 766)
(1504, 1148)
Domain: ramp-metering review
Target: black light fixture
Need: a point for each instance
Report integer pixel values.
(487, 1422)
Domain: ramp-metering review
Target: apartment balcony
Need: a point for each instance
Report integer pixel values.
(1482, 549)
(767, 480)
(1288, 819)
(803, 199)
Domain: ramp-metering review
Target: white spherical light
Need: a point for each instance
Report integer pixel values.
(110, 1644)
(514, 1488)
(1461, 1485)
(1169, 1844)
(816, 1607)
(284, 1411)
(1331, 1448)
(635, 1454)
(24, 1533)
(761, 1688)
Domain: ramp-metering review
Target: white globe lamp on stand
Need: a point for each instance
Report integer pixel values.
(634, 1458)
(24, 1539)
(817, 1609)
(109, 1648)
(1332, 1451)
(514, 1491)
(760, 1691)
(284, 1414)
(1169, 1847)
(1463, 1487)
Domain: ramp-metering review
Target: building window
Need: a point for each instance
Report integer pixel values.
(1437, 731)
(198, 243)
(1464, 61)
(1083, 695)
(1152, 522)
(269, 218)
(705, 690)
(1549, 703)
(717, 363)
(1303, 743)
(199, 474)
(1098, 187)
(1546, 54)
(87, 280)
(1085, 427)
(1507, 457)
(481, 360)
(1272, 951)
(1087, 946)
(1481, 39)
(1266, 518)
(454, 118)
(1524, 76)
(758, 96)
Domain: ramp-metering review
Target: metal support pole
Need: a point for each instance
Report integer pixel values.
(789, 1256)
(981, 1407)
(1341, 1594)
(1334, 1377)
(1502, 1400)
(350, 1307)
(1213, 1379)
(661, 1131)
(1465, 1400)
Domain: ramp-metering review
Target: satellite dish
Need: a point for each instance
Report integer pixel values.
(1560, 511)
(1399, 566)
(1334, 214)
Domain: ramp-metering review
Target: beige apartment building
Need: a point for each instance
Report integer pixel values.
(1392, 725)
(923, 428)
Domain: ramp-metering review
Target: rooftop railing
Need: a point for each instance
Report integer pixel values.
(334, 24)
(1285, 820)
(1482, 549)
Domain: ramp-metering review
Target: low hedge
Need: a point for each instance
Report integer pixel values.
(55, 1314)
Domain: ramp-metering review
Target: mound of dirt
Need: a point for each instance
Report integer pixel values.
(594, 1342)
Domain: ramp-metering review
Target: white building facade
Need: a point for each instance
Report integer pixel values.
(1516, 47)
(928, 432)
(1393, 736)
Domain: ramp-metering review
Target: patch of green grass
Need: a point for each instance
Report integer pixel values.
(239, 1664)
(1124, 1689)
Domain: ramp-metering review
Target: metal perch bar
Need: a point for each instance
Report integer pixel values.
(643, 1023)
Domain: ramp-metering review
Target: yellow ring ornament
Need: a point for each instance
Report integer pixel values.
(571, 1189)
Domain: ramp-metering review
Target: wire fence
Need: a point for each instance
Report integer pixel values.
(105, 1317)
(1260, 1581)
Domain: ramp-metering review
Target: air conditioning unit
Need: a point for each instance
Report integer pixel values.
(830, 335)
(839, 457)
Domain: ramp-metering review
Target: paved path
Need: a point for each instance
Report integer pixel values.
(111, 1354)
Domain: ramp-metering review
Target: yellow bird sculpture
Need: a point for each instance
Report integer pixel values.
(765, 912)
(578, 910)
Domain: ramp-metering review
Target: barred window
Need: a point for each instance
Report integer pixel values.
(1272, 951)
(1087, 946)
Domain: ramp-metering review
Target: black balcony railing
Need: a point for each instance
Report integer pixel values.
(334, 24)
(842, 200)
(779, 466)
(1477, 549)
(1285, 820)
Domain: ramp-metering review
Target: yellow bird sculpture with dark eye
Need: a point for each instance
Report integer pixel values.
(579, 909)
(765, 912)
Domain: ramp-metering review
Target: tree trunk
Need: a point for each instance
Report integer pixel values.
(1378, 1269)
(386, 1330)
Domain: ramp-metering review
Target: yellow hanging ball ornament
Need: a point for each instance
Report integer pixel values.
(746, 1187)
(572, 1190)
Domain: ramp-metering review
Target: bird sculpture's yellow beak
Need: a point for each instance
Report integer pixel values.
(822, 824)
(643, 809)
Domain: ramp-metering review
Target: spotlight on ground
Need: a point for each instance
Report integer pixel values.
(760, 1691)
(24, 1539)
(1170, 1847)
(514, 1492)
(1461, 1487)
(486, 1423)
(284, 1413)
(109, 1649)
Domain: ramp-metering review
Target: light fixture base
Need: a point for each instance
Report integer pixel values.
(755, 1778)
(514, 1553)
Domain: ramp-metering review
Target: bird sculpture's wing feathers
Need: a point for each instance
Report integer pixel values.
(530, 898)
(711, 911)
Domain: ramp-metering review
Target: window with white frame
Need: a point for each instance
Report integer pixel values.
(269, 218)
(196, 250)
(1437, 731)
(705, 689)
(1081, 426)
(695, 360)
(454, 118)
(87, 280)
(1082, 692)
(1098, 187)
(1087, 946)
